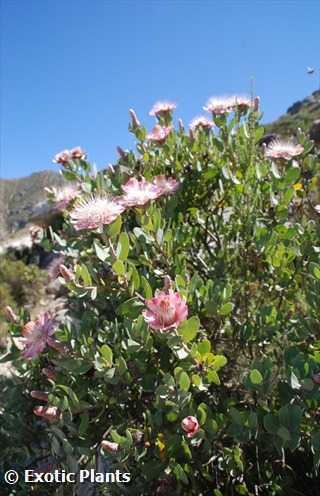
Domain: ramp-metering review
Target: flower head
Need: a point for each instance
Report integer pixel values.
(165, 310)
(159, 134)
(66, 273)
(190, 425)
(95, 212)
(36, 334)
(54, 266)
(283, 149)
(64, 196)
(138, 193)
(220, 105)
(77, 153)
(165, 185)
(109, 446)
(162, 108)
(62, 157)
(50, 413)
(200, 123)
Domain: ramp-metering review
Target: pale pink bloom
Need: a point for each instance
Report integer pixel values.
(162, 108)
(190, 425)
(39, 395)
(166, 185)
(134, 119)
(62, 157)
(10, 315)
(200, 123)
(243, 102)
(165, 310)
(36, 334)
(138, 193)
(65, 196)
(77, 153)
(50, 373)
(50, 413)
(54, 267)
(221, 105)
(109, 446)
(66, 273)
(95, 212)
(159, 134)
(283, 149)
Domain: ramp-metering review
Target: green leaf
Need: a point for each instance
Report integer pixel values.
(184, 381)
(147, 290)
(102, 252)
(213, 377)
(226, 308)
(123, 246)
(119, 268)
(114, 228)
(255, 377)
(107, 354)
(218, 362)
(315, 270)
(204, 347)
(284, 433)
(189, 329)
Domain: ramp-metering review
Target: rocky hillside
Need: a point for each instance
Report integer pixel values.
(304, 114)
(23, 199)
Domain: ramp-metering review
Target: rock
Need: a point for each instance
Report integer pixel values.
(315, 131)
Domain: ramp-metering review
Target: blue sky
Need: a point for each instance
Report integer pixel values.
(71, 69)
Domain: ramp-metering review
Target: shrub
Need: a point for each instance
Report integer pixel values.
(191, 355)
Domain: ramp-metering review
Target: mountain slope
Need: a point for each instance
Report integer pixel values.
(20, 199)
(301, 114)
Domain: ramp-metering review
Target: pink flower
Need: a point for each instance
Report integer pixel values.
(138, 193)
(62, 157)
(159, 134)
(65, 196)
(220, 106)
(50, 373)
(36, 335)
(243, 102)
(39, 395)
(166, 185)
(190, 425)
(109, 446)
(54, 267)
(162, 108)
(77, 153)
(10, 315)
(283, 149)
(66, 273)
(50, 413)
(165, 310)
(95, 212)
(200, 123)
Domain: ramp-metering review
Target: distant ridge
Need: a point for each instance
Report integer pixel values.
(20, 199)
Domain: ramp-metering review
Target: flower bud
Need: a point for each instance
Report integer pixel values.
(121, 152)
(181, 126)
(109, 446)
(167, 283)
(57, 346)
(50, 373)
(256, 104)
(50, 413)
(66, 273)
(134, 119)
(10, 315)
(190, 425)
(39, 395)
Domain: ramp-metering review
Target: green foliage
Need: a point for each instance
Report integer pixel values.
(240, 242)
